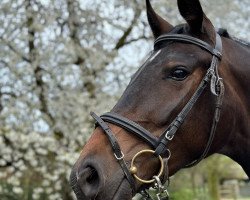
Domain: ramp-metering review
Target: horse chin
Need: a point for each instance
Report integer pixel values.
(124, 191)
(116, 191)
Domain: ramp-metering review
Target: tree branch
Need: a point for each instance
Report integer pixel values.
(143, 37)
(38, 71)
(122, 41)
(12, 48)
(73, 25)
(5, 93)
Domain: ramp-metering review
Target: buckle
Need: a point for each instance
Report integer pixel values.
(169, 137)
(119, 158)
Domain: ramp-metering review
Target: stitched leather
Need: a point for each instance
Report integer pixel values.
(189, 39)
(131, 127)
(116, 148)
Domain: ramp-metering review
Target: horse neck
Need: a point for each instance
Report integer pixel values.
(237, 98)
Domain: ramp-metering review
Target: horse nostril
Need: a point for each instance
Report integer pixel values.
(92, 178)
(89, 181)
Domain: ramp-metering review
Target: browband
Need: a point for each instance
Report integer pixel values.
(189, 39)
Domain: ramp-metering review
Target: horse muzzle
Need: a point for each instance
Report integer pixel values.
(86, 180)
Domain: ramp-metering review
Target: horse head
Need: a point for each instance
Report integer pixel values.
(170, 109)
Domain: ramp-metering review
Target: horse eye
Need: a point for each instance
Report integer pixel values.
(179, 74)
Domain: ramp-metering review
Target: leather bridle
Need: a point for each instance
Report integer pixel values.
(160, 144)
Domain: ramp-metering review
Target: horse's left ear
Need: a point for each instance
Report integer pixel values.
(198, 22)
(157, 23)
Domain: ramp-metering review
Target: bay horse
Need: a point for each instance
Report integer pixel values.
(189, 100)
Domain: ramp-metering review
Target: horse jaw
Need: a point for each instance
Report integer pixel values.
(236, 139)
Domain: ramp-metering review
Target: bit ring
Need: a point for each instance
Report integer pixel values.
(133, 169)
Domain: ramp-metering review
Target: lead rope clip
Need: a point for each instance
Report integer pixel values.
(162, 193)
(145, 195)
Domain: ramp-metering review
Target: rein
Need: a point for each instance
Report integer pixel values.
(160, 144)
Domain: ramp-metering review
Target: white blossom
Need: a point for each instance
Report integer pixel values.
(45, 122)
(2, 162)
(17, 190)
(35, 195)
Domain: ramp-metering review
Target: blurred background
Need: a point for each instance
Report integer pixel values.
(59, 59)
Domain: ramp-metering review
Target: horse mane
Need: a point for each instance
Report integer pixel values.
(224, 33)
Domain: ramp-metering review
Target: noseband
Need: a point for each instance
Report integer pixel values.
(160, 144)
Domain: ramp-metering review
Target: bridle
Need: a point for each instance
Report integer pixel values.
(160, 144)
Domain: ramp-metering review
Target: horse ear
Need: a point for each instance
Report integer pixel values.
(158, 24)
(198, 22)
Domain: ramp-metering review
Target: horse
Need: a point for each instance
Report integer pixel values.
(189, 100)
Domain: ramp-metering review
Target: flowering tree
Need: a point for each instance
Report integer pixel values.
(59, 59)
(56, 61)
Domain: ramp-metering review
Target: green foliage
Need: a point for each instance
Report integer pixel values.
(183, 194)
(202, 182)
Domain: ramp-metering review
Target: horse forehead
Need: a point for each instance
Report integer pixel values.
(182, 49)
(167, 55)
(152, 57)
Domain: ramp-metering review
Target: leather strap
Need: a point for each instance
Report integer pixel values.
(169, 133)
(131, 127)
(213, 77)
(189, 39)
(216, 119)
(116, 149)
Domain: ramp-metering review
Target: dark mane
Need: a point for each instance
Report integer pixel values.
(224, 33)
